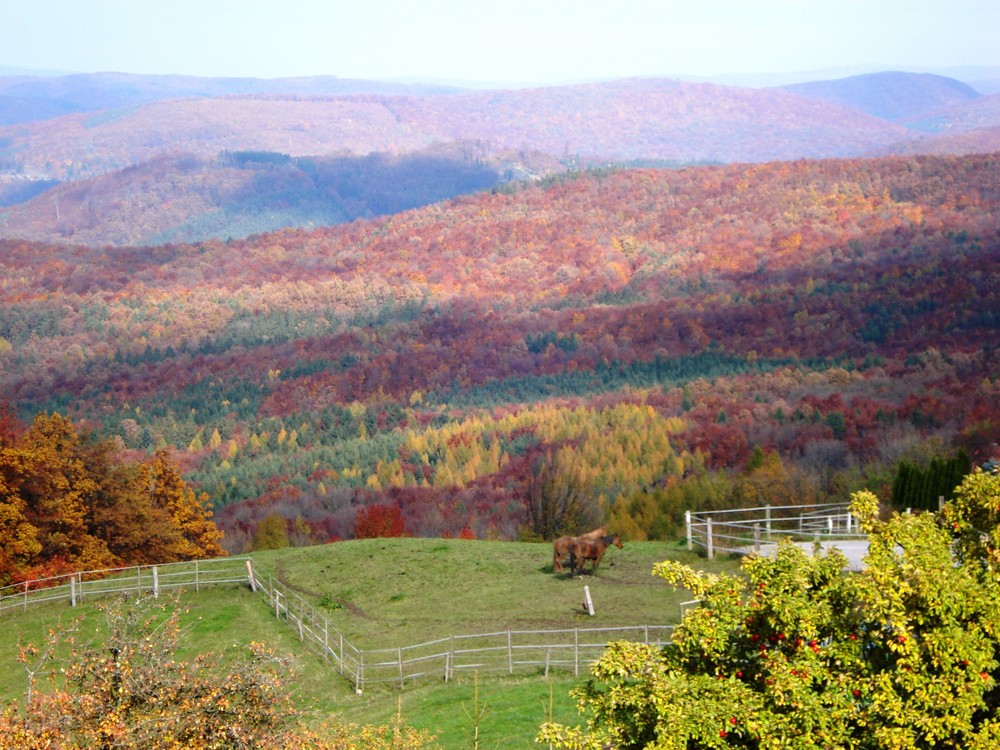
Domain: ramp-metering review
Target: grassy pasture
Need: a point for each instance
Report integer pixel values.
(383, 593)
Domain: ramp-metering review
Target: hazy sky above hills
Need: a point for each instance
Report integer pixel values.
(494, 41)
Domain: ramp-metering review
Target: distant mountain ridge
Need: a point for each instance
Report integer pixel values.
(89, 92)
(628, 119)
(153, 121)
(893, 96)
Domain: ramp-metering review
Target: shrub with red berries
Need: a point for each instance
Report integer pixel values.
(807, 654)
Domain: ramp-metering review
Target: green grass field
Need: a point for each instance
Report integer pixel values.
(385, 593)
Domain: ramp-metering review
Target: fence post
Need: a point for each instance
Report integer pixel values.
(79, 582)
(849, 522)
(510, 654)
(277, 605)
(156, 583)
(756, 538)
(399, 659)
(25, 596)
(359, 676)
(197, 583)
(72, 591)
(687, 525)
(711, 542)
(451, 656)
(802, 522)
(767, 520)
(940, 502)
(250, 578)
(829, 525)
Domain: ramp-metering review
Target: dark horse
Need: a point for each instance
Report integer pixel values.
(593, 550)
(563, 546)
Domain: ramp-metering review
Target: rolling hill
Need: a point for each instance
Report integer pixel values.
(561, 127)
(632, 119)
(179, 198)
(894, 96)
(107, 159)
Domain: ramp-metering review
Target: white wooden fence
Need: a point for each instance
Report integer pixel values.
(506, 651)
(743, 530)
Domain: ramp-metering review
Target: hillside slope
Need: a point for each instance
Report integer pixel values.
(181, 198)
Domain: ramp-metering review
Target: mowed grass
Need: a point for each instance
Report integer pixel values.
(386, 593)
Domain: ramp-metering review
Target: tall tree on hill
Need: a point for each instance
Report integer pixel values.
(189, 512)
(559, 500)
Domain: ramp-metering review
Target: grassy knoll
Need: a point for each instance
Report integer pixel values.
(383, 593)
(397, 592)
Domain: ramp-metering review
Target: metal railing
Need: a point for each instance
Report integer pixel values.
(744, 530)
(75, 588)
(506, 651)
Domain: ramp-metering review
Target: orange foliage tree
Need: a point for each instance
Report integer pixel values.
(67, 503)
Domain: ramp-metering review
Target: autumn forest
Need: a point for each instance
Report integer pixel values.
(648, 340)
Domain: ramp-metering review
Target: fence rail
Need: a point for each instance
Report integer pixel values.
(75, 588)
(742, 530)
(506, 651)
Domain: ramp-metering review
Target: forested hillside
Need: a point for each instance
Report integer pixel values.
(183, 197)
(656, 339)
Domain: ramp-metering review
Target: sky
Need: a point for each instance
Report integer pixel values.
(495, 41)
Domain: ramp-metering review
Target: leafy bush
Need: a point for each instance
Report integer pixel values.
(801, 653)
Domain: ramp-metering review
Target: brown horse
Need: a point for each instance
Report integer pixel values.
(593, 550)
(563, 546)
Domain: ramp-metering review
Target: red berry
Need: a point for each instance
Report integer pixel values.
(739, 673)
(857, 693)
(733, 721)
(722, 733)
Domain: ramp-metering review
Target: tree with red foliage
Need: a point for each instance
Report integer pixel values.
(379, 520)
